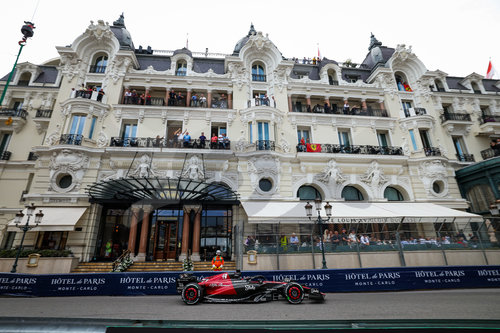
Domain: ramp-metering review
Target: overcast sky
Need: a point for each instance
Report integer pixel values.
(457, 37)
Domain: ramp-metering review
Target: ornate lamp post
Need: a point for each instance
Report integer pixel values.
(27, 31)
(320, 221)
(30, 210)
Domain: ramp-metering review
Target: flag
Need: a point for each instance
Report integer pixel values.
(491, 71)
(313, 147)
(319, 54)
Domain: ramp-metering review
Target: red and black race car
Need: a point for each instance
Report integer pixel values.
(232, 288)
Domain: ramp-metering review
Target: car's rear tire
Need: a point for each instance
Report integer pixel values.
(192, 294)
(294, 293)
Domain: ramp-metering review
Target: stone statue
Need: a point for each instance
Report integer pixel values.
(194, 169)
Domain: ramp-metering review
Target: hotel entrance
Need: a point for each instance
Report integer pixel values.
(165, 238)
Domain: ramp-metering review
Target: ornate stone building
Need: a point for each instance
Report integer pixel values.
(380, 141)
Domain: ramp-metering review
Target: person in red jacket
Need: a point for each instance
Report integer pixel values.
(217, 261)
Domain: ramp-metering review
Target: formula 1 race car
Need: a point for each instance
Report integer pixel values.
(232, 288)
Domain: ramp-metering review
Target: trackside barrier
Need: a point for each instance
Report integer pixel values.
(329, 280)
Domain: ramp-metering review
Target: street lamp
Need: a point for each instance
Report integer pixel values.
(30, 210)
(320, 221)
(27, 31)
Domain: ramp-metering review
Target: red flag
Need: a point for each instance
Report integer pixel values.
(491, 71)
(313, 147)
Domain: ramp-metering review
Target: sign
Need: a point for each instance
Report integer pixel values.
(328, 280)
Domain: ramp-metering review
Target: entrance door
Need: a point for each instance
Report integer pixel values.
(165, 240)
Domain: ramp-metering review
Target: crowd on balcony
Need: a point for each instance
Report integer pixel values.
(174, 99)
(307, 61)
(90, 92)
(495, 145)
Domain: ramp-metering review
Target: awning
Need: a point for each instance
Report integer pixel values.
(356, 212)
(54, 219)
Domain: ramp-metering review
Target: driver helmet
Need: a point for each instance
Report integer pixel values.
(218, 252)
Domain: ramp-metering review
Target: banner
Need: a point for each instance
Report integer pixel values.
(313, 147)
(328, 280)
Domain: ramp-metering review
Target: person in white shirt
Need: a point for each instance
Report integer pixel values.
(294, 241)
(365, 240)
(352, 239)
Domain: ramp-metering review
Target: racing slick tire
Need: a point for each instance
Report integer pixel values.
(192, 293)
(294, 293)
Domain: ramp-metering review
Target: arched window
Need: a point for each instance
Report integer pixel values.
(24, 80)
(181, 68)
(258, 72)
(350, 193)
(393, 194)
(99, 65)
(439, 85)
(332, 78)
(402, 82)
(308, 192)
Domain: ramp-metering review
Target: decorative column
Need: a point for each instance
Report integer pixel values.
(185, 234)
(188, 97)
(229, 99)
(133, 228)
(290, 105)
(143, 243)
(209, 98)
(196, 233)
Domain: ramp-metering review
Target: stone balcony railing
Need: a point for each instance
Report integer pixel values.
(169, 143)
(352, 149)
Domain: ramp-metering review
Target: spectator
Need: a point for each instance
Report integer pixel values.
(249, 243)
(495, 145)
(284, 243)
(194, 100)
(308, 108)
(180, 138)
(179, 99)
(157, 142)
(364, 240)
(220, 140)
(302, 144)
(445, 240)
(187, 140)
(148, 98)
(225, 140)
(142, 99)
(344, 238)
(346, 107)
(294, 242)
(100, 95)
(213, 141)
(335, 239)
(202, 138)
(352, 239)
(127, 96)
(172, 97)
(203, 101)
(133, 97)
(257, 100)
(266, 100)
(175, 139)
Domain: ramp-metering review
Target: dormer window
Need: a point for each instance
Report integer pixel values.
(332, 78)
(475, 87)
(24, 80)
(181, 68)
(258, 72)
(439, 85)
(99, 65)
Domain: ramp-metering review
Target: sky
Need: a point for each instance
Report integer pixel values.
(458, 37)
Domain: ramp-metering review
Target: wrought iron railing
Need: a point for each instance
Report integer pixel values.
(264, 145)
(465, 157)
(43, 113)
(259, 77)
(352, 149)
(97, 69)
(333, 82)
(169, 143)
(432, 151)
(22, 113)
(123, 262)
(490, 153)
(71, 139)
(5, 155)
(455, 116)
(333, 109)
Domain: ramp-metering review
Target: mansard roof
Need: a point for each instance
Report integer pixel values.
(48, 75)
(159, 63)
(491, 85)
(454, 83)
(387, 53)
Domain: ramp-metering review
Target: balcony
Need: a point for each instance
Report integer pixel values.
(19, 113)
(71, 139)
(486, 118)
(43, 113)
(97, 69)
(264, 145)
(168, 143)
(465, 157)
(5, 155)
(261, 102)
(489, 153)
(12, 118)
(353, 149)
(489, 125)
(259, 77)
(340, 111)
(432, 151)
(414, 112)
(455, 117)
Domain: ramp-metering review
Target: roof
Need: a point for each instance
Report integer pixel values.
(364, 74)
(159, 63)
(202, 65)
(490, 85)
(48, 75)
(454, 83)
(244, 40)
(387, 53)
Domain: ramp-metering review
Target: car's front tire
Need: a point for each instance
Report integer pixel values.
(192, 294)
(294, 293)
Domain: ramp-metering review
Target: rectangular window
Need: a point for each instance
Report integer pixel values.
(303, 133)
(77, 125)
(460, 148)
(383, 138)
(344, 138)
(263, 131)
(426, 141)
(129, 131)
(406, 108)
(413, 141)
(9, 240)
(250, 131)
(92, 127)
(4, 141)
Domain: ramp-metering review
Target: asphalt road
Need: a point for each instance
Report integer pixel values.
(475, 304)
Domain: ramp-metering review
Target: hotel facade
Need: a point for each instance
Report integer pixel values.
(176, 154)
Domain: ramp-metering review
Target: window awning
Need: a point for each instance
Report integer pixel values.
(54, 219)
(356, 212)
